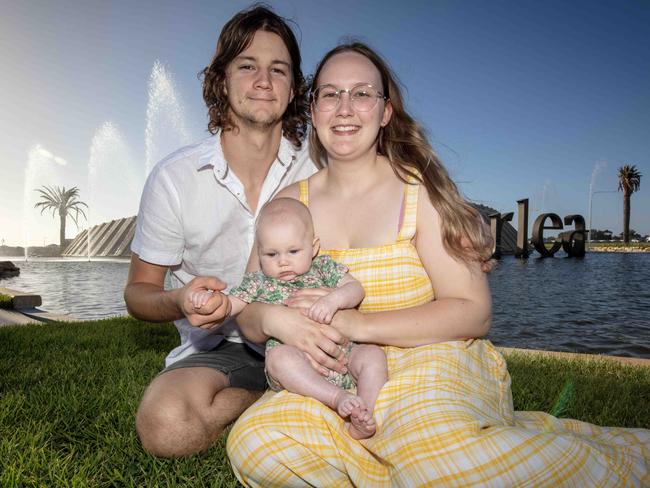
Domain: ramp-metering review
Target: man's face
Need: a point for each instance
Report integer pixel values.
(259, 82)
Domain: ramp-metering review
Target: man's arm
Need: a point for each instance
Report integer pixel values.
(146, 298)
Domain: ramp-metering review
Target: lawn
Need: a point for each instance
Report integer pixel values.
(68, 394)
(619, 244)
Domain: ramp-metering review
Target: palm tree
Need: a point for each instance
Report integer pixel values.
(65, 203)
(629, 181)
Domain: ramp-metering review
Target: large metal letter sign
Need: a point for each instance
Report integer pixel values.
(573, 241)
(538, 234)
(522, 229)
(496, 225)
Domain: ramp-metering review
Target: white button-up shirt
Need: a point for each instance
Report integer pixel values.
(194, 218)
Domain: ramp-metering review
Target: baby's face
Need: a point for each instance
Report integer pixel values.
(285, 249)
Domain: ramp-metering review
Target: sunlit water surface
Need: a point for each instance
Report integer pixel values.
(599, 304)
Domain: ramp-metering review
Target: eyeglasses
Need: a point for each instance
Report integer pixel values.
(363, 97)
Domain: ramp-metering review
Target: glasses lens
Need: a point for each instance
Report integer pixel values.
(364, 97)
(326, 98)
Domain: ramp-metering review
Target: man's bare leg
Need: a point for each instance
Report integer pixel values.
(184, 411)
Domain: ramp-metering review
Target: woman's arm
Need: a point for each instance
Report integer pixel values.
(259, 321)
(462, 308)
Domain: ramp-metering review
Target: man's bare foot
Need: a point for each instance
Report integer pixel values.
(362, 424)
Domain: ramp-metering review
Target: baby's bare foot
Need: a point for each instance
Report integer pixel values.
(345, 403)
(362, 424)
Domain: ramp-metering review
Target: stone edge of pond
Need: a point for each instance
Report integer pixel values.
(577, 356)
(24, 310)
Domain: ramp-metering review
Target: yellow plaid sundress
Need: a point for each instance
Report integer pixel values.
(445, 417)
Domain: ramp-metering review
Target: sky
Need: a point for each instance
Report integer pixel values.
(521, 99)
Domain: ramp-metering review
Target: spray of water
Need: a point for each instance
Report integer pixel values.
(165, 124)
(598, 168)
(113, 179)
(42, 167)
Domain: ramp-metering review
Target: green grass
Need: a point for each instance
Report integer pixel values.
(601, 392)
(6, 301)
(69, 392)
(631, 245)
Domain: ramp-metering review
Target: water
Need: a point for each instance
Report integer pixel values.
(42, 169)
(599, 304)
(84, 289)
(165, 129)
(111, 197)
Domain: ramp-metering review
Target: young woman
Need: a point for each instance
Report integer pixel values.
(385, 207)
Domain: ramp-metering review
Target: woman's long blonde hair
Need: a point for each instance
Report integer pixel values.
(464, 233)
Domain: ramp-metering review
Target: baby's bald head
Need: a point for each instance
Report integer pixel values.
(285, 239)
(282, 211)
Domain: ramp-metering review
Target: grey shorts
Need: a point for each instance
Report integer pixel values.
(243, 366)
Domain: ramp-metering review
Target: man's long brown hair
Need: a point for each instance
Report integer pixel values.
(236, 36)
(404, 142)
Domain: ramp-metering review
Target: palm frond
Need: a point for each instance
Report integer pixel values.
(60, 200)
(629, 178)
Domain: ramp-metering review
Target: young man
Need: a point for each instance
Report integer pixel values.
(196, 220)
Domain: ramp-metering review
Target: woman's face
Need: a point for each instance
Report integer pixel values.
(345, 132)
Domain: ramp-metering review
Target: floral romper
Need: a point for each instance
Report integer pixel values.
(257, 287)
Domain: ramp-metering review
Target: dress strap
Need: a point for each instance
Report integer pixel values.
(409, 221)
(303, 186)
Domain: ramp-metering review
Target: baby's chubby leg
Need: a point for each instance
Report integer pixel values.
(289, 367)
(367, 364)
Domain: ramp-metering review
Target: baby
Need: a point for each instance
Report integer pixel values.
(287, 249)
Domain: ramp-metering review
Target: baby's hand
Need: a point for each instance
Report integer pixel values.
(323, 310)
(200, 298)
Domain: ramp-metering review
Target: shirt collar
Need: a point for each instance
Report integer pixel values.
(211, 154)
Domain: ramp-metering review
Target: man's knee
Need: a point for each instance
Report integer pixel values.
(174, 420)
(172, 429)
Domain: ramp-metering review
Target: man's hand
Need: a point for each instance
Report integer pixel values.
(213, 307)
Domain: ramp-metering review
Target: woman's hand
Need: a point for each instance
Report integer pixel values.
(319, 342)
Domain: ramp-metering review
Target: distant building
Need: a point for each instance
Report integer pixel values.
(113, 239)
(110, 239)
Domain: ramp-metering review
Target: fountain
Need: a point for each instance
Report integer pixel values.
(111, 198)
(116, 176)
(166, 130)
(42, 166)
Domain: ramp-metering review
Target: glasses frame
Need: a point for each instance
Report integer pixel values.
(349, 91)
